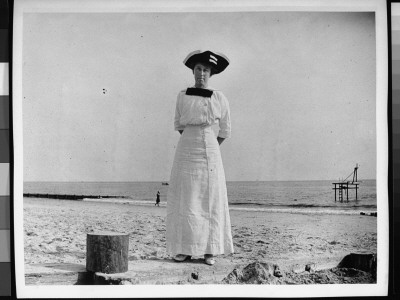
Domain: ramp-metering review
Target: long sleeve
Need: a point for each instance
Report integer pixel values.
(225, 121)
(177, 124)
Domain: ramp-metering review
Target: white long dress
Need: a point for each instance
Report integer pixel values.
(198, 219)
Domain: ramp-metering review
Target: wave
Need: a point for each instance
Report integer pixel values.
(303, 205)
(291, 210)
(124, 201)
(303, 211)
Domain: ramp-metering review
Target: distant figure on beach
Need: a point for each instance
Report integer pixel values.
(158, 199)
(198, 221)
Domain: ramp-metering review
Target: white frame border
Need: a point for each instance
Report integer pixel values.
(145, 291)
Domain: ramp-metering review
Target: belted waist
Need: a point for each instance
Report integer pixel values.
(198, 126)
(199, 129)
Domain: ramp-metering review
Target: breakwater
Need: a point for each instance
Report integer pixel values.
(68, 197)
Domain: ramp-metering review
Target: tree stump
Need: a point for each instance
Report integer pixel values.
(107, 252)
(361, 261)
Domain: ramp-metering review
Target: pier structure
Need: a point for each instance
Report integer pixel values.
(343, 186)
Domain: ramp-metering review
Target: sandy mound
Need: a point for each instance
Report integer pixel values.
(255, 273)
(268, 273)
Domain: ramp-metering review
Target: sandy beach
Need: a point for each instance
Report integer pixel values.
(55, 232)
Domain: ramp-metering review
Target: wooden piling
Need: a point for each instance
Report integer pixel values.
(344, 187)
(107, 252)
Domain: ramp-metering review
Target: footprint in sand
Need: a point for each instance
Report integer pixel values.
(247, 248)
(261, 242)
(134, 257)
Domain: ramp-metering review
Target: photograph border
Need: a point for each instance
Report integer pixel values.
(53, 6)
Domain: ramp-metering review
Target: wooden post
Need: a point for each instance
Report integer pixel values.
(335, 192)
(107, 252)
(356, 191)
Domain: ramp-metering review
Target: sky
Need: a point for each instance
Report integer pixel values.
(99, 93)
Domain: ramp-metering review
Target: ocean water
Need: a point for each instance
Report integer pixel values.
(279, 196)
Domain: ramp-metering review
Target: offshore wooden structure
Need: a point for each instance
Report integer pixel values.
(343, 186)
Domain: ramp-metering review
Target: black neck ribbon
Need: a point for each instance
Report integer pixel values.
(199, 92)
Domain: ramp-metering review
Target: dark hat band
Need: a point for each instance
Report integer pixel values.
(218, 62)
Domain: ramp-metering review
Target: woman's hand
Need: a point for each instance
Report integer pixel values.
(220, 140)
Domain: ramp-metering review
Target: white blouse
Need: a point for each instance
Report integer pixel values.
(203, 111)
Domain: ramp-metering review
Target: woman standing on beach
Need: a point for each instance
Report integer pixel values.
(198, 220)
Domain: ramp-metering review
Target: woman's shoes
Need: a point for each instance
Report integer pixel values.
(209, 259)
(181, 257)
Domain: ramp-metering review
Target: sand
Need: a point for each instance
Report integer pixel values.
(55, 232)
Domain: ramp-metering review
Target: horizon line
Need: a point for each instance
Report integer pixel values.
(167, 181)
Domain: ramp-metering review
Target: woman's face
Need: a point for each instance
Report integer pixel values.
(201, 73)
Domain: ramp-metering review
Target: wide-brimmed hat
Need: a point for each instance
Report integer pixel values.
(217, 61)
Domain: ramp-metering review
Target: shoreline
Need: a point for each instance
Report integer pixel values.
(293, 209)
(277, 237)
